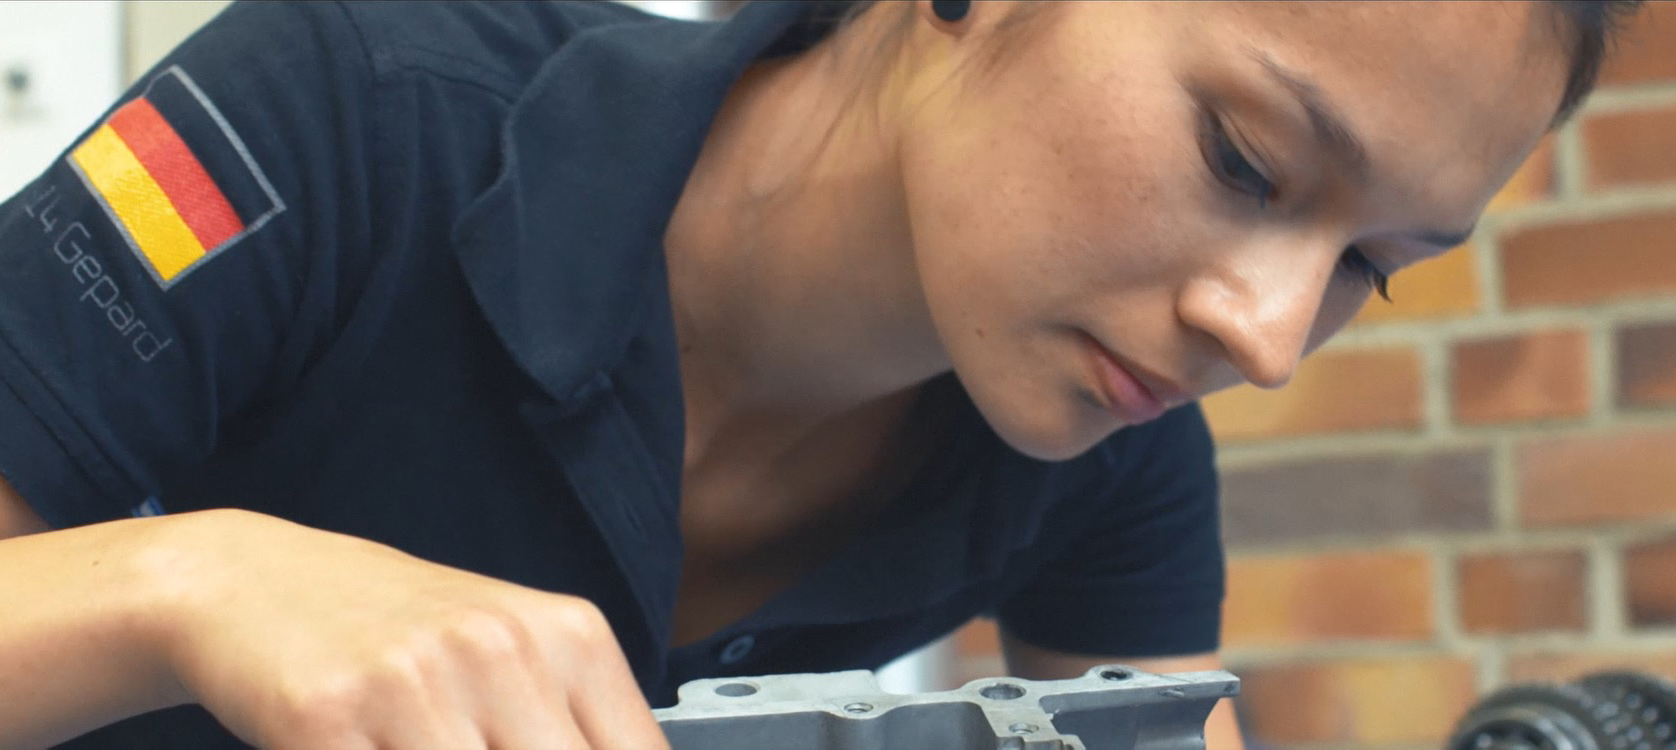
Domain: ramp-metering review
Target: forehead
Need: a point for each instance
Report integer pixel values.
(1448, 97)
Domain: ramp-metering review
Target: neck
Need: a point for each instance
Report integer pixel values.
(796, 296)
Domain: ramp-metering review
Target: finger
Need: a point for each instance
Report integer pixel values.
(517, 712)
(587, 672)
(616, 729)
(433, 712)
(449, 731)
(357, 742)
(610, 708)
(558, 736)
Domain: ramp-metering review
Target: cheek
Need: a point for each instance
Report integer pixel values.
(1053, 193)
(1126, 211)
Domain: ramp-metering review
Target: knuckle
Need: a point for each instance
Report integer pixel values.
(400, 670)
(490, 636)
(584, 621)
(324, 711)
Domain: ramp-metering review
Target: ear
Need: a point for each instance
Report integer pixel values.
(943, 22)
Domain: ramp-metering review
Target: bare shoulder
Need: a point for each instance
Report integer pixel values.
(16, 517)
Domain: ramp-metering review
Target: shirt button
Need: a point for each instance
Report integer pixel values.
(738, 649)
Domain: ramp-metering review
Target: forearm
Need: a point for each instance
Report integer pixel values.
(1222, 729)
(80, 639)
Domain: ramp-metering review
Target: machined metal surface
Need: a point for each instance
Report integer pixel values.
(1112, 707)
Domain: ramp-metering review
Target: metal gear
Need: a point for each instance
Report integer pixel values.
(1545, 717)
(1649, 702)
(1603, 711)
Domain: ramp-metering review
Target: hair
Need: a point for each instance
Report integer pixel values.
(1593, 26)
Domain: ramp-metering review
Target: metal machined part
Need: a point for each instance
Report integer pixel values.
(1112, 707)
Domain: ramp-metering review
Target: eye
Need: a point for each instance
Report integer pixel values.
(1228, 163)
(1357, 264)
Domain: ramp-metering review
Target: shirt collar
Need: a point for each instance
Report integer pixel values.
(564, 249)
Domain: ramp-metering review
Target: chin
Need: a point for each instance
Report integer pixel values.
(1048, 439)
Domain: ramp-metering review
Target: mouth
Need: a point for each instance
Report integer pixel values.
(1128, 392)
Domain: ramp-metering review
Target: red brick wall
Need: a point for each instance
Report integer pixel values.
(1476, 484)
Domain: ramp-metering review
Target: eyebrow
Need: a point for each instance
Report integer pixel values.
(1330, 128)
(1324, 118)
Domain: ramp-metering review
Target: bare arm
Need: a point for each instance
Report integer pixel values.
(1222, 731)
(343, 643)
(76, 638)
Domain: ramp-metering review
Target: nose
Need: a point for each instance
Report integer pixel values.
(1261, 307)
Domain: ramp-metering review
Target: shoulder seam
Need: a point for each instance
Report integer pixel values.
(385, 66)
(479, 76)
(389, 76)
(360, 36)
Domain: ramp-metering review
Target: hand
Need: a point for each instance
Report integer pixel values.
(299, 638)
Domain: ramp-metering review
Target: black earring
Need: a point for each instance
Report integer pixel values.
(952, 11)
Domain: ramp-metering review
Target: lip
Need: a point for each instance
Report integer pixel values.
(1122, 390)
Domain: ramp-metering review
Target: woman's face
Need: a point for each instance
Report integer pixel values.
(1195, 195)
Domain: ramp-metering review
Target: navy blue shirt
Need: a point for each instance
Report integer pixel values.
(427, 306)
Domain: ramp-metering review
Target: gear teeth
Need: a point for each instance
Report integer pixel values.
(1550, 717)
(1649, 701)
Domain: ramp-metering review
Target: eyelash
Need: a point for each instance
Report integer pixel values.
(1356, 263)
(1231, 167)
(1228, 163)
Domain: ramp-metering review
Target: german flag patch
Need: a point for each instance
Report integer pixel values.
(176, 180)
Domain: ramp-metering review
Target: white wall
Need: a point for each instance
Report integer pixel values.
(66, 56)
(154, 27)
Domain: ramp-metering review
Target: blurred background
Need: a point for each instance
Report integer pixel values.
(1474, 485)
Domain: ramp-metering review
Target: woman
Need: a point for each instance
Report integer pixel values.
(470, 376)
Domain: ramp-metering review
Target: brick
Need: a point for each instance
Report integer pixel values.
(1280, 600)
(1371, 496)
(1644, 52)
(1532, 183)
(1597, 478)
(1570, 665)
(978, 638)
(1589, 262)
(1363, 701)
(1628, 149)
(1333, 391)
(1541, 375)
(1647, 365)
(1444, 287)
(1650, 584)
(1523, 592)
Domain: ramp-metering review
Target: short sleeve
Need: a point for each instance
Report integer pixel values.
(181, 259)
(1145, 575)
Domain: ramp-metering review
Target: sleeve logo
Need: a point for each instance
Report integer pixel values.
(174, 177)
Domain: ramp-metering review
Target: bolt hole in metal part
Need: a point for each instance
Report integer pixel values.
(736, 689)
(1111, 707)
(1603, 711)
(1002, 692)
